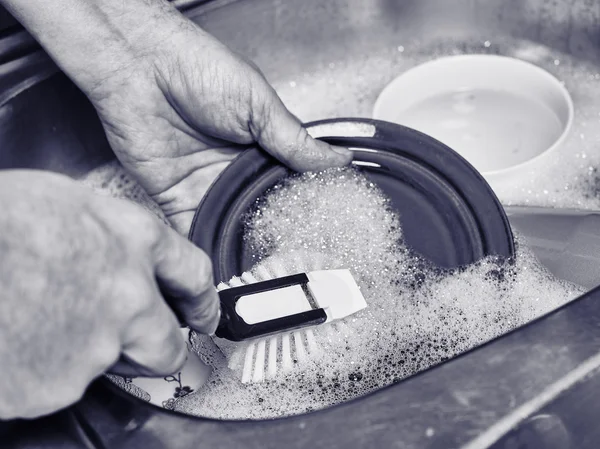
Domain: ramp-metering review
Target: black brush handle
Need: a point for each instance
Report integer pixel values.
(239, 330)
(233, 327)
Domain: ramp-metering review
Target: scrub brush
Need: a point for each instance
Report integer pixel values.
(273, 317)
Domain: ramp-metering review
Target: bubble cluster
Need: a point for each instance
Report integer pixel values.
(417, 316)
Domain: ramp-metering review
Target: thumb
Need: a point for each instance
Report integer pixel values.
(281, 134)
(185, 275)
(153, 344)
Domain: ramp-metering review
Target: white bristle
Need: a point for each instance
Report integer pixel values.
(343, 328)
(336, 332)
(317, 262)
(286, 354)
(338, 327)
(259, 365)
(248, 363)
(299, 346)
(235, 282)
(272, 359)
(329, 330)
(248, 278)
(279, 271)
(235, 360)
(262, 273)
(222, 286)
(268, 267)
(313, 347)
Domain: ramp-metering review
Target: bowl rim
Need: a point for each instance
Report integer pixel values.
(491, 176)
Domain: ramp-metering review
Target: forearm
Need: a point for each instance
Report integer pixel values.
(92, 39)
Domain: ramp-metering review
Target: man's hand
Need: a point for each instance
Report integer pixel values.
(176, 104)
(173, 115)
(81, 279)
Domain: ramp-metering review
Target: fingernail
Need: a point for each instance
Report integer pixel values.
(206, 319)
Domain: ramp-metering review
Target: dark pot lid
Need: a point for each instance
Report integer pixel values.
(449, 214)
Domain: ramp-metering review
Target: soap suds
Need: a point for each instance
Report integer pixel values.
(416, 316)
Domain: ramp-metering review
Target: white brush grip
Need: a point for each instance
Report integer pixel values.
(336, 291)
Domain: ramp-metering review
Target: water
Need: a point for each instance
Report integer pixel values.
(492, 129)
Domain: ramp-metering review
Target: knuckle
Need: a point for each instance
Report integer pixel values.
(162, 333)
(149, 232)
(141, 229)
(264, 106)
(155, 344)
(133, 297)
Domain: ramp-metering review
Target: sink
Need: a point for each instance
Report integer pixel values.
(349, 49)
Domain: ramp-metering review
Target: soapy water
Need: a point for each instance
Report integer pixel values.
(416, 317)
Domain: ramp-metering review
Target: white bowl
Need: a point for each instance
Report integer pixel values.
(502, 114)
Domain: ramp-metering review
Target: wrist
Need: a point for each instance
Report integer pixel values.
(94, 40)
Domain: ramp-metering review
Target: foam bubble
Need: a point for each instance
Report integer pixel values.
(417, 316)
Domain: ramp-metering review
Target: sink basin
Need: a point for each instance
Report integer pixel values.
(348, 50)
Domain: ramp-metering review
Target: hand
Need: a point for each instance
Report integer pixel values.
(80, 277)
(176, 115)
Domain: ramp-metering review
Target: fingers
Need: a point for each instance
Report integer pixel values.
(159, 261)
(282, 135)
(183, 271)
(185, 274)
(152, 344)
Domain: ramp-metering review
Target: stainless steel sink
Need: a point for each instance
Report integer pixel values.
(288, 40)
(46, 123)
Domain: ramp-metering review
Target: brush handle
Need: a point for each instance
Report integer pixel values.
(233, 327)
(567, 242)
